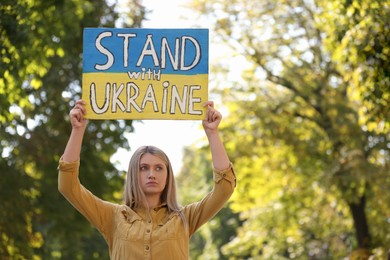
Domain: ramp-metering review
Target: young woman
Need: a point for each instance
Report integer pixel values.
(150, 224)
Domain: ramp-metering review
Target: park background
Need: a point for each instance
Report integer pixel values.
(304, 88)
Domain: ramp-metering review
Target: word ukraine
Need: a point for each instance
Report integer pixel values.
(145, 73)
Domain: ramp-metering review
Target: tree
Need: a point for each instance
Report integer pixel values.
(40, 72)
(358, 39)
(312, 167)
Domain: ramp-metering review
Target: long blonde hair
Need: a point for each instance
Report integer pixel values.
(134, 196)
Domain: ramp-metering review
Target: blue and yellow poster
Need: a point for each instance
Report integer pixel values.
(143, 73)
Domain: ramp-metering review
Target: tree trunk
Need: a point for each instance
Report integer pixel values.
(360, 224)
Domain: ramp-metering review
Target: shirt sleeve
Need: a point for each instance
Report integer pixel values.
(98, 212)
(202, 211)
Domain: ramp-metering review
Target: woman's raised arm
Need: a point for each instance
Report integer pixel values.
(210, 126)
(79, 123)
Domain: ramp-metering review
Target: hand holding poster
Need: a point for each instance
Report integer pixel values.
(145, 73)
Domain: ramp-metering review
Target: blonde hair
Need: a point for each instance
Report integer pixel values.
(134, 197)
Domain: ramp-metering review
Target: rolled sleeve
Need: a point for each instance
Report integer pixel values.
(69, 167)
(67, 176)
(227, 174)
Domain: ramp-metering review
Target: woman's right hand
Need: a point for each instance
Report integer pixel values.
(77, 114)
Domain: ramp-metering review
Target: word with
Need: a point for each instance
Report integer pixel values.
(148, 74)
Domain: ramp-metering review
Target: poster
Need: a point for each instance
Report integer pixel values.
(139, 73)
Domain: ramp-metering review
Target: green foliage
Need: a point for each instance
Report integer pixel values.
(309, 138)
(40, 72)
(358, 38)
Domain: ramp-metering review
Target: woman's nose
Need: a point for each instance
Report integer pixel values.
(151, 175)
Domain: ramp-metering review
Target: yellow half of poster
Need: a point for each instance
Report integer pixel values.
(145, 96)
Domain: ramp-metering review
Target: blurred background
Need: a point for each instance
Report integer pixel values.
(304, 87)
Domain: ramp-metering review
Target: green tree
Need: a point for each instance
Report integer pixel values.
(312, 166)
(358, 39)
(40, 72)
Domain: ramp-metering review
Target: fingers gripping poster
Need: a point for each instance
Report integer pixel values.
(145, 73)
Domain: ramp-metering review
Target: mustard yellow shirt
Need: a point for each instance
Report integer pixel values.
(140, 233)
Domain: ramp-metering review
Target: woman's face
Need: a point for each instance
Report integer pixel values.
(153, 174)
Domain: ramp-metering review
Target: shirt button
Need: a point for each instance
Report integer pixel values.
(149, 221)
(148, 231)
(147, 247)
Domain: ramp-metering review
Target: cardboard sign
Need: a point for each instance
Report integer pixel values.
(145, 73)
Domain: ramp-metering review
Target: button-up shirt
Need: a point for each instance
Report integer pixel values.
(138, 233)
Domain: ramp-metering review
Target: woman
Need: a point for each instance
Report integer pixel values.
(150, 224)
